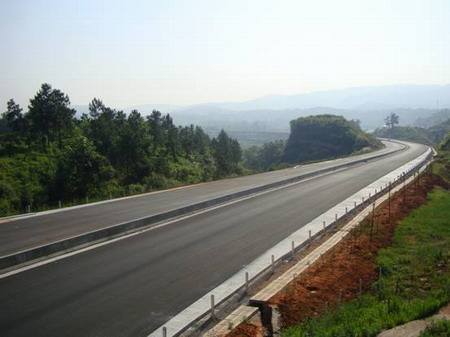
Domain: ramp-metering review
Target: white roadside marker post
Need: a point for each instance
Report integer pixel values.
(213, 313)
(246, 281)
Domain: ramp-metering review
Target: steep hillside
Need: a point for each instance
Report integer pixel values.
(325, 136)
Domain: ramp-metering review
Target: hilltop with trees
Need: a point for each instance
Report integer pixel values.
(325, 136)
(312, 138)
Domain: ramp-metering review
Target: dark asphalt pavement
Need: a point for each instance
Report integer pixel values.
(132, 286)
(25, 233)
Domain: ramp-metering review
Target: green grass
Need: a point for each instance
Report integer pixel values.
(415, 281)
(439, 328)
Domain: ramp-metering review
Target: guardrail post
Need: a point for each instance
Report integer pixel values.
(389, 203)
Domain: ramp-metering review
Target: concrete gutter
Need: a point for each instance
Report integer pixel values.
(356, 203)
(89, 238)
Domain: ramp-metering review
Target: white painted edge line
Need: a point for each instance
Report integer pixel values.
(69, 208)
(200, 307)
(160, 225)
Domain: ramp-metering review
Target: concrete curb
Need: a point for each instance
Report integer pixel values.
(193, 315)
(263, 296)
(73, 243)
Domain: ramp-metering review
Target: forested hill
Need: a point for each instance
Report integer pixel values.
(325, 136)
(432, 135)
(48, 155)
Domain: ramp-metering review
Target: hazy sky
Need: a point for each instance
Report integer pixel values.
(182, 52)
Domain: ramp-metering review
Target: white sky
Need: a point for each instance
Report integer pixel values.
(183, 52)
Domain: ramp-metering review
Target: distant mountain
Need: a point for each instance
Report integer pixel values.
(436, 118)
(413, 103)
(366, 98)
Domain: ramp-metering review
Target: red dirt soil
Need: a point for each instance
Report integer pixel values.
(339, 274)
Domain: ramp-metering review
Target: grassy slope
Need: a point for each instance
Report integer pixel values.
(415, 282)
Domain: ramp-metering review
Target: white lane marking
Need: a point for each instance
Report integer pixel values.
(64, 209)
(198, 308)
(164, 224)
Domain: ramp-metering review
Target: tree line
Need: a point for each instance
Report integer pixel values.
(47, 154)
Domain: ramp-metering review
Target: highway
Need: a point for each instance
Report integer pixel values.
(24, 233)
(132, 286)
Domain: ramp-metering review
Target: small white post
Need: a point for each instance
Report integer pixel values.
(292, 248)
(246, 281)
(213, 314)
(59, 204)
(28, 208)
(272, 260)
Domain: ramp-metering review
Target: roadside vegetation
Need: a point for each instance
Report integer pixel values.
(431, 136)
(440, 328)
(47, 154)
(409, 278)
(415, 279)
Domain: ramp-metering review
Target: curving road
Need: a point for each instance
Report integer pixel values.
(132, 286)
(22, 233)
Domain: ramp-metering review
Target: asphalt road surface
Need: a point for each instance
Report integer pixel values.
(27, 232)
(132, 286)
